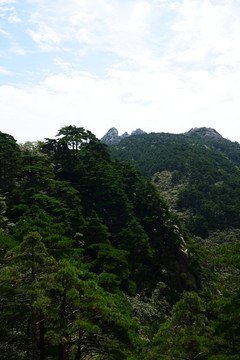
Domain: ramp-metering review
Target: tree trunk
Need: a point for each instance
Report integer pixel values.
(79, 352)
(41, 336)
(28, 339)
(62, 349)
(62, 352)
(34, 334)
(34, 311)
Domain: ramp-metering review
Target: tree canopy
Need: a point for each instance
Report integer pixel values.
(93, 264)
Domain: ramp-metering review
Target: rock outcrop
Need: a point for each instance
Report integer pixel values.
(113, 137)
(205, 132)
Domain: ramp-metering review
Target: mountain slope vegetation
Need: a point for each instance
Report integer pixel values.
(79, 233)
(197, 173)
(93, 265)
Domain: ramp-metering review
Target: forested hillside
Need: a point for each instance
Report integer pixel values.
(197, 173)
(93, 265)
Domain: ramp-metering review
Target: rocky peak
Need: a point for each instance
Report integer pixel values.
(138, 132)
(204, 132)
(124, 135)
(112, 136)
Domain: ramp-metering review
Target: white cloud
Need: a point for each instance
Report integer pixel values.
(14, 19)
(206, 31)
(107, 24)
(4, 33)
(7, 2)
(9, 15)
(127, 29)
(201, 32)
(5, 71)
(4, 9)
(154, 100)
(62, 64)
(45, 36)
(176, 65)
(9, 12)
(16, 49)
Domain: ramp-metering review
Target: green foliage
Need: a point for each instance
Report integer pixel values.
(223, 291)
(92, 260)
(55, 215)
(79, 317)
(197, 176)
(187, 335)
(9, 162)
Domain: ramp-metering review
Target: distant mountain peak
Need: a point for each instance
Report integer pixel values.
(113, 137)
(204, 132)
(138, 132)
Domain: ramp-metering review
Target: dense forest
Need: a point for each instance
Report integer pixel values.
(95, 265)
(197, 173)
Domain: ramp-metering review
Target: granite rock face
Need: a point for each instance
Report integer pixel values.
(205, 132)
(138, 132)
(113, 137)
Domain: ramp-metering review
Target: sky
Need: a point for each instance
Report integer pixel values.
(158, 65)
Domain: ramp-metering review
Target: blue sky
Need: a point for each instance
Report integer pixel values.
(161, 65)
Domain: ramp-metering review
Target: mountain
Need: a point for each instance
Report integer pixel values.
(69, 186)
(197, 173)
(207, 133)
(93, 265)
(112, 136)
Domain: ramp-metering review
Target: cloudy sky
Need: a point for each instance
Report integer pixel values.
(158, 65)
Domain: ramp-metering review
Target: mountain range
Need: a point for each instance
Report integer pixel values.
(197, 173)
